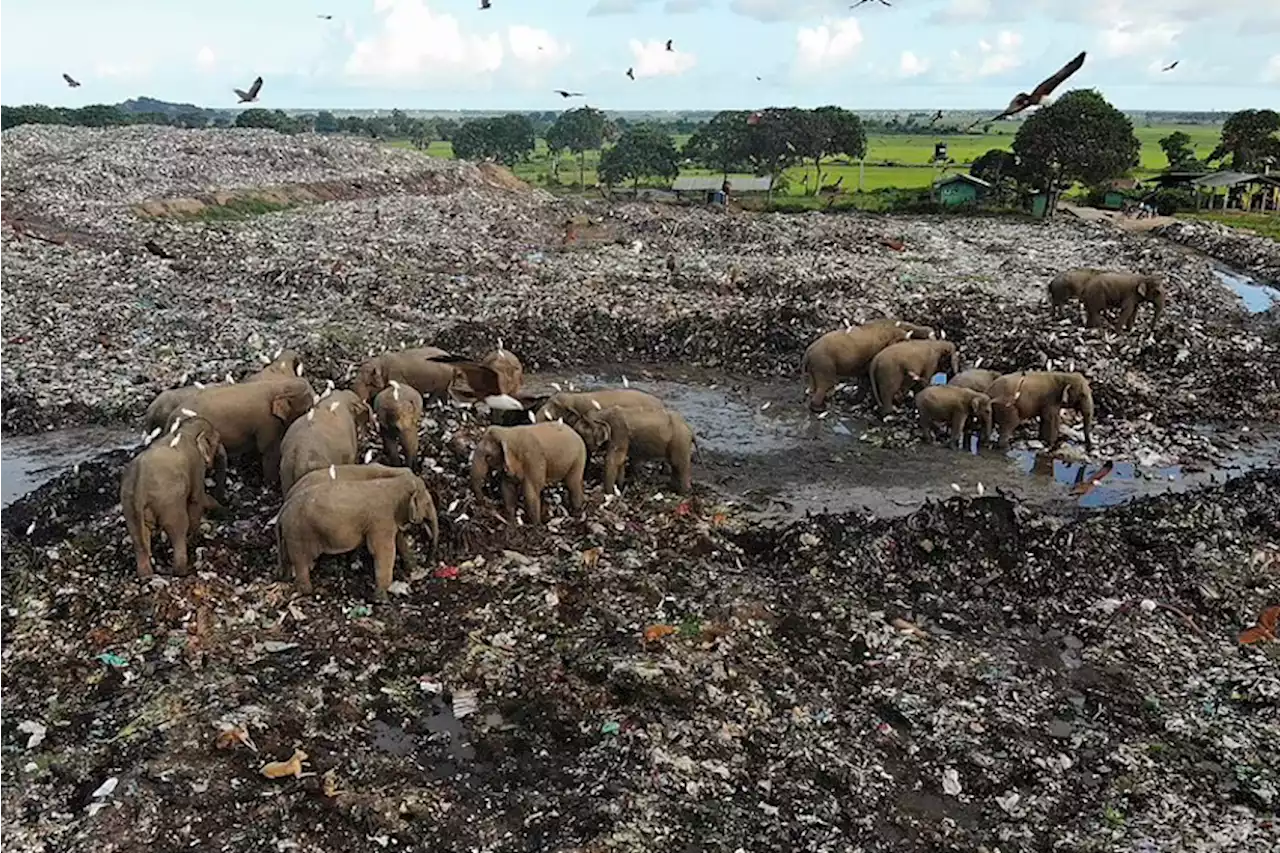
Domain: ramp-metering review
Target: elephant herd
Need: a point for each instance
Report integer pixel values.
(310, 444)
(894, 356)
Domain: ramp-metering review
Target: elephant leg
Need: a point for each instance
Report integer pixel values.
(822, 386)
(509, 499)
(681, 473)
(957, 429)
(405, 550)
(573, 482)
(391, 450)
(926, 428)
(220, 475)
(271, 464)
(302, 564)
(532, 501)
(175, 527)
(1092, 316)
(140, 532)
(889, 389)
(1128, 312)
(195, 512)
(1050, 419)
(1007, 422)
(382, 545)
(613, 466)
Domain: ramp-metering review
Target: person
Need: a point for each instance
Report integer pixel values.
(724, 193)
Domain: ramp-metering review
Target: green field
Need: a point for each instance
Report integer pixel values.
(895, 161)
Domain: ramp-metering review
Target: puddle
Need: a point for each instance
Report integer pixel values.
(28, 462)
(437, 725)
(1256, 296)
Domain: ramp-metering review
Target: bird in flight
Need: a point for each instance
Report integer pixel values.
(1171, 65)
(936, 118)
(1040, 94)
(325, 17)
(484, 4)
(631, 72)
(252, 94)
(71, 81)
(562, 93)
(864, 2)
(669, 47)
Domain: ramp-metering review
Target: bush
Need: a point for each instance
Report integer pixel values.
(1167, 201)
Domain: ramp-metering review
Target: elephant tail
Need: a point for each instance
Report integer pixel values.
(875, 386)
(282, 548)
(808, 375)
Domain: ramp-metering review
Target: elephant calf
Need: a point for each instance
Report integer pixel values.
(909, 362)
(329, 434)
(399, 411)
(639, 434)
(1018, 397)
(533, 456)
(974, 379)
(164, 486)
(569, 405)
(413, 367)
(955, 406)
(338, 509)
(848, 353)
(1124, 291)
(1067, 285)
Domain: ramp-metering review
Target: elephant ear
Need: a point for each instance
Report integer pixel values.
(280, 406)
(1066, 395)
(511, 461)
(207, 444)
(976, 403)
(1143, 287)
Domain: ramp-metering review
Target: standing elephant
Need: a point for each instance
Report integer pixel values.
(287, 364)
(332, 513)
(399, 410)
(329, 434)
(164, 487)
(909, 362)
(1124, 291)
(846, 353)
(1018, 397)
(508, 368)
(414, 367)
(974, 379)
(1068, 285)
(639, 434)
(575, 405)
(954, 406)
(249, 417)
(533, 456)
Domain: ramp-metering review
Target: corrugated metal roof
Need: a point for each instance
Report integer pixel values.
(1224, 179)
(706, 183)
(960, 176)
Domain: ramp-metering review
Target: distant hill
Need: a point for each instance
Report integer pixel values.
(144, 104)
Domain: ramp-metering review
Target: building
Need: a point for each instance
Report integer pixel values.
(1117, 193)
(1240, 190)
(707, 186)
(958, 189)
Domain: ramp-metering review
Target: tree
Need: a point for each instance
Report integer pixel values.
(505, 139)
(579, 131)
(1081, 138)
(826, 131)
(191, 120)
(326, 122)
(721, 143)
(1178, 150)
(770, 148)
(642, 151)
(352, 124)
(446, 128)
(258, 117)
(1251, 138)
(1000, 169)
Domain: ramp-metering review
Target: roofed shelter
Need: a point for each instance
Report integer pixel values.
(708, 185)
(1249, 191)
(959, 189)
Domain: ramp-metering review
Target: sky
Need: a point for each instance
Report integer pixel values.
(449, 54)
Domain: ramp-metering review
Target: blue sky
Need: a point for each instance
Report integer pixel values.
(447, 54)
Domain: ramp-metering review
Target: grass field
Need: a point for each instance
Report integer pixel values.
(895, 161)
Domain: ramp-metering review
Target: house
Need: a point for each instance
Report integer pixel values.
(708, 186)
(1242, 190)
(959, 189)
(1116, 193)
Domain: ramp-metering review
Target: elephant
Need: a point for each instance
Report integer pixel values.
(286, 364)
(508, 368)
(848, 353)
(639, 434)
(251, 416)
(916, 361)
(329, 434)
(1124, 291)
(534, 456)
(1068, 285)
(954, 405)
(399, 410)
(575, 405)
(417, 368)
(974, 379)
(1018, 397)
(331, 513)
(164, 487)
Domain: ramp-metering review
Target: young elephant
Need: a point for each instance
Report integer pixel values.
(164, 486)
(954, 405)
(909, 361)
(329, 434)
(332, 513)
(1124, 291)
(1018, 397)
(399, 410)
(251, 417)
(1067, 285)
(639, 434)
(974, 379)
(575, 405)
(533, 456)
(413, 367)
(848, 353)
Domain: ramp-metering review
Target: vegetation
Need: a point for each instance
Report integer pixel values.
(1080, 138)
(642, 151)
(1178, 151)
(506, 139)
(1250, 140)
(578, 131)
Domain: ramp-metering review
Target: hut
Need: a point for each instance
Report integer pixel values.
(1241, 190)
(958, 189)
(708, 186)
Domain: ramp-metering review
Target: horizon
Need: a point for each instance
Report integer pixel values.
(448, 56)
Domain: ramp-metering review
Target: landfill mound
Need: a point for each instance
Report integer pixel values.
(659, 673)
(1257, 255)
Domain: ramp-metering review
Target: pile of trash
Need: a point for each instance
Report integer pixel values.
(1259, 256)
(660, 671)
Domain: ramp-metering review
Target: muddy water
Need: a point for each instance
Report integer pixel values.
(1256, 296)
(29, 461)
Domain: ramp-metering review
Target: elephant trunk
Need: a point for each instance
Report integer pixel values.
(1086, 412)
(1158, 301)
(985, 418)
(479, 473)
(434, 521)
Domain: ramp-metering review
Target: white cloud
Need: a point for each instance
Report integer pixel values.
(652, 59)
(827, 45)
(206, 58)
(614, 7)
(681, 7)
(992, 58)
(963, 12)
(910, 65)
(130, 69)
(788, 10)
(416, 45)
(1271, 74)
(1128, 39)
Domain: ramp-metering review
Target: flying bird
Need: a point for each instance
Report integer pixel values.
(669, 47)
(252, 94)
(1171, 65)
(631, 72)
(864, 2)
(71, 81)
(1040, 94)
(562, 93)
(937, 117)
(325, 17)
(484, 4)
